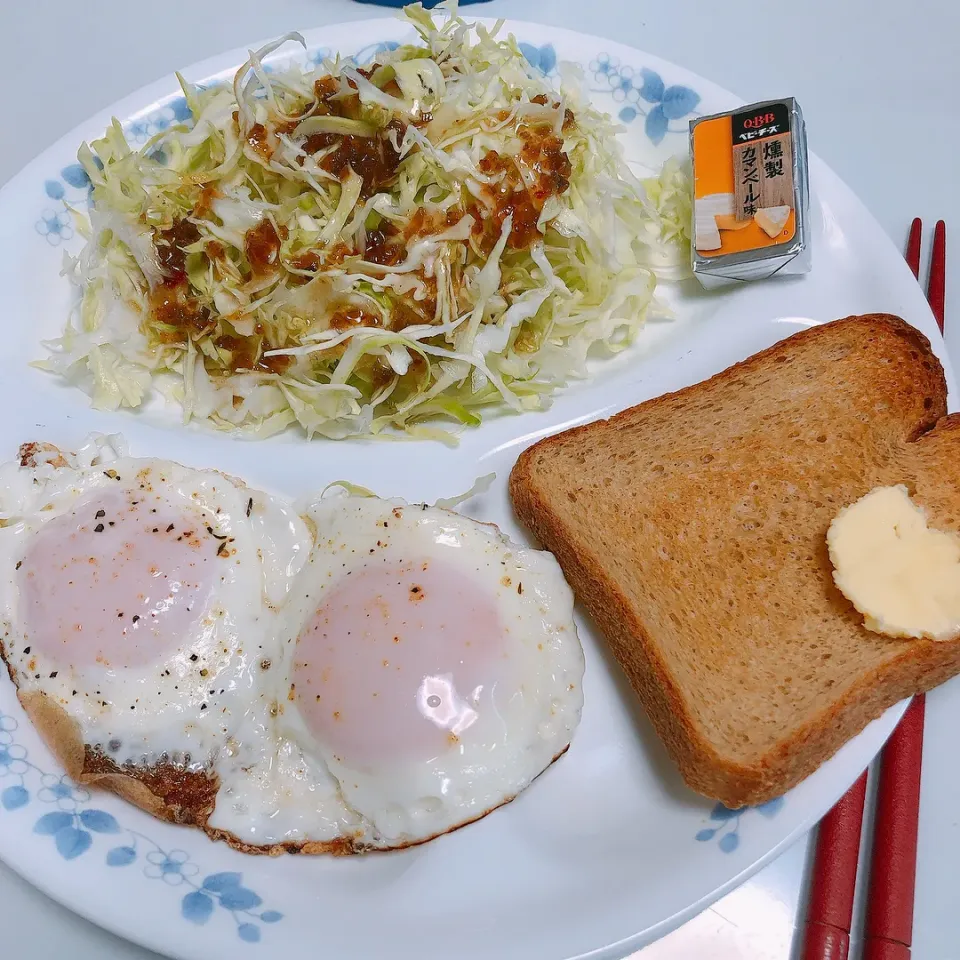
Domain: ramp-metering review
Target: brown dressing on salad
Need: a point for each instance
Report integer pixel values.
(376, 160)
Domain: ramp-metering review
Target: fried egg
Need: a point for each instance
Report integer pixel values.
(143, 598)
(435, 668)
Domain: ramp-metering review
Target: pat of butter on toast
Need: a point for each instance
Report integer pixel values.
(903, 576)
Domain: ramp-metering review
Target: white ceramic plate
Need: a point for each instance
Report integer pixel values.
(608, 849)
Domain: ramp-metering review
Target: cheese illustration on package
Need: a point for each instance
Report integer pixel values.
(773, 220)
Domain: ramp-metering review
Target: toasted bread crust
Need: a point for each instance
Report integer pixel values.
(555, 484)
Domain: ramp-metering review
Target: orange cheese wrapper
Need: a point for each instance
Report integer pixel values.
(750, 193)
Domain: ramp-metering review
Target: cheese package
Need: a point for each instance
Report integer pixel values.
(751, 194)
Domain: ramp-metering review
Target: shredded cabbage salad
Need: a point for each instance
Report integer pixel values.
(367, 249)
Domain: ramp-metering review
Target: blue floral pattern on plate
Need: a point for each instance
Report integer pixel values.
(175, 111)
(75, 827)
(727, 829)
(542, 58)
(70, 191)
(644, 94)
(55, 226)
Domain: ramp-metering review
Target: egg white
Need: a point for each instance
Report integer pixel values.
(507, 731)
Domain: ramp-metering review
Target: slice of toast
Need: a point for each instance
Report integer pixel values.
(693, 530)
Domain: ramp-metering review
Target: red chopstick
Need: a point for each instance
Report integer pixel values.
(937, 284)
(830, 908)
(888, 930)
(913, 247)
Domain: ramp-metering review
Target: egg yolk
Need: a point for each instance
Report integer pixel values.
(393, 666)
(120, 581)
